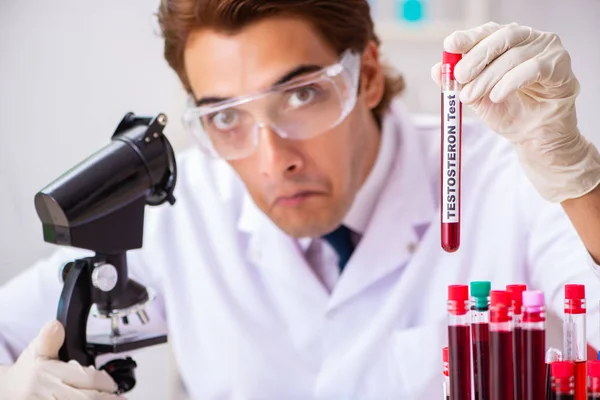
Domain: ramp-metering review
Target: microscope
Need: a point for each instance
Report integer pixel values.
(98, 205)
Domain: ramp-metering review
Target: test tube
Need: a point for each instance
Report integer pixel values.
(446, 373)
(516, 295)
(501, 347)
(534, 343)
(563, 380)
(593, 380)
(574, 336)
(451, 154)
(480, 337)
(459, 343)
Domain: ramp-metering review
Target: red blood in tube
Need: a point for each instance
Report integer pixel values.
(519, 362)
(534, 349)
(481, 357)
(451, 236)
(459, 344)
(502, 387)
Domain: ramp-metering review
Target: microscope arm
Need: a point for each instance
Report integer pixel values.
(73, 311)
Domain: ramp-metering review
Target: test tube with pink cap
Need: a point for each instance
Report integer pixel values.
(534, 344)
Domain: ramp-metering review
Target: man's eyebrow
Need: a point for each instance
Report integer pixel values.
(296, 72)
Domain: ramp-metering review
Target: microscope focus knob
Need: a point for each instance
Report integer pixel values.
(105, 277)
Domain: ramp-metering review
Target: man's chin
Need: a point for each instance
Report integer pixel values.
(302, 224)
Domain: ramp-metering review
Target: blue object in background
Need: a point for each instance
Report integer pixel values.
(410, 10)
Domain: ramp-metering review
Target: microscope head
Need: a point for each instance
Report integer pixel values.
(99, 204)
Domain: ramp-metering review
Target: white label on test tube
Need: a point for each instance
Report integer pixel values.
(451, 156)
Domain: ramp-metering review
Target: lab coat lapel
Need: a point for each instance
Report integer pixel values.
(406, 205)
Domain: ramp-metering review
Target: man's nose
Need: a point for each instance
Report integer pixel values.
(278, 156)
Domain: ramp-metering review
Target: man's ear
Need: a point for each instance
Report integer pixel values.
(372, 80)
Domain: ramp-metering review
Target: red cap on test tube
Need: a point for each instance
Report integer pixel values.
(451, 59)
(563, 377)
(516, 296)
(575, 292)
(574, 299)
(458, 293)
(499, 306)
(562, 369)
(458, 298)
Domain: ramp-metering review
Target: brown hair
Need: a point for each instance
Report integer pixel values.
(344, 24)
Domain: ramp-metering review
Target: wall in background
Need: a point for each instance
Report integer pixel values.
(70, 70)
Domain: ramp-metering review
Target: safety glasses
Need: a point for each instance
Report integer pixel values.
(300, 109)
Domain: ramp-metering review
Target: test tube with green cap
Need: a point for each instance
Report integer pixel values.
(480, 318)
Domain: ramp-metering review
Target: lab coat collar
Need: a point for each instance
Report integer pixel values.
(360, 213)
(401, 213)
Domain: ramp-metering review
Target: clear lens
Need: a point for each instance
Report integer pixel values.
(230, 131)
(320, 110)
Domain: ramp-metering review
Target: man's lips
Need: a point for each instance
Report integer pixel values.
(295, 199)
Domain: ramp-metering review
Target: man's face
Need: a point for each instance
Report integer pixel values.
(307, 186)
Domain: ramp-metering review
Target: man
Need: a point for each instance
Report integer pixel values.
(303, 258)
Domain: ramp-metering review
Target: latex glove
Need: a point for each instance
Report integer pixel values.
(520, 83)
(39, 375)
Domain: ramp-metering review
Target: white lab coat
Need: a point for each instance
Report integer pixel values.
(247, 317)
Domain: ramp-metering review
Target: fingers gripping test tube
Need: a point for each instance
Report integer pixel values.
(451, 154)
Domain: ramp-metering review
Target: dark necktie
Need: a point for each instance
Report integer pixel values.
(341, 241)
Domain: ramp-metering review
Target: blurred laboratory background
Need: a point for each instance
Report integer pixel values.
(71, 69)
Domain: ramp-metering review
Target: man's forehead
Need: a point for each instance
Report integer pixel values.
(231, 65)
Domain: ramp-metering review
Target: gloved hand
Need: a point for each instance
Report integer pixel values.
(520, 83)
(39, 375)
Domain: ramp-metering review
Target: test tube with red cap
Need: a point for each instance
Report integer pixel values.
(501, 347)
(534, 344)
(593, 380)
(451, 117)
(563, 380)
(446, 373)
(574, 336)
(459, 342)
(516, 296)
